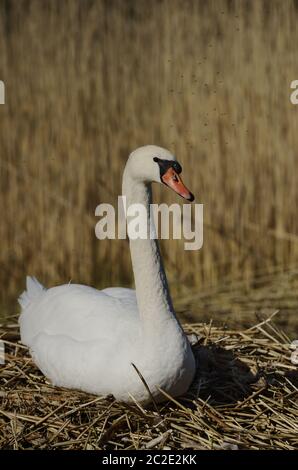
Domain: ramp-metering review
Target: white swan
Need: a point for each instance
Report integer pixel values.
(87, 339)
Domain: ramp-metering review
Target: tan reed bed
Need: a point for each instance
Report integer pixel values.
(88, 82)
(245, 396)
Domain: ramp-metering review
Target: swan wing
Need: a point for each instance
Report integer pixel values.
(79, 312)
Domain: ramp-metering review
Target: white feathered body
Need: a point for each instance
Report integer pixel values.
(87, 339)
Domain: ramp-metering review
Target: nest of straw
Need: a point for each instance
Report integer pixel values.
(244, 396)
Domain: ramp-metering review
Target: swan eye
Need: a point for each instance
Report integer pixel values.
(177, 167)
(165, 165)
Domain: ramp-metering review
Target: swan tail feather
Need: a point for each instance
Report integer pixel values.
(33, 289)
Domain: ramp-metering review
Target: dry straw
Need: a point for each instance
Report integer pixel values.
(245, 396)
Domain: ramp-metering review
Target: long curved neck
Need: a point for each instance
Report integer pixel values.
(153, 297)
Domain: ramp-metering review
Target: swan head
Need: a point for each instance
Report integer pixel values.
(155, 164)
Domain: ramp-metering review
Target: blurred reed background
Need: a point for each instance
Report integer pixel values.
(89, 81)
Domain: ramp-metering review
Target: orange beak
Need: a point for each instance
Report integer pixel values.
(173, 180)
